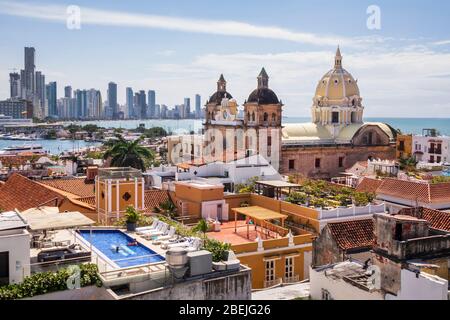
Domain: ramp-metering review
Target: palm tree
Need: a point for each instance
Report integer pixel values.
(168, 208)
(125, 153)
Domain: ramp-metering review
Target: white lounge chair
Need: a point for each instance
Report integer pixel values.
(153, 226)
(170, 235)
(190, 243)
(177, 239)
(164, 229)
(158, 228)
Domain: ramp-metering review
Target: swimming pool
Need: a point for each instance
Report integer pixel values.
(107, 242)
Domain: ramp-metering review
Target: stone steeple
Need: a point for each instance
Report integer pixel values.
(221, 84)
(263, 79)
(338, 59)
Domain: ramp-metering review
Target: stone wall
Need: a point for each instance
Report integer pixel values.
(233, 287)
(305, 158)
(326, 250)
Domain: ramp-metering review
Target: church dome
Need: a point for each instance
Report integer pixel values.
(221, 92)
(219, 96)
(262, 94)
(337, 85)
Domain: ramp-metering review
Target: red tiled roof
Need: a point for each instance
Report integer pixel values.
(153, 198)
(422, 192)
(438, 220)
(88, 200)
(22, 193)
(368, 185)
(76, 186)
(353, 234)
(14, 161)
(440, 192)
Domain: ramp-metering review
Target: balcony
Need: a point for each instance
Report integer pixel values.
(272, 283)
(293, 279)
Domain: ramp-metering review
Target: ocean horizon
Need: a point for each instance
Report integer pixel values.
(405, 125)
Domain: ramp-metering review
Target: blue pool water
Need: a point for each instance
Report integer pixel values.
(106, 241)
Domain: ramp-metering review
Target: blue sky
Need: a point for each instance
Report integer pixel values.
(179, 48)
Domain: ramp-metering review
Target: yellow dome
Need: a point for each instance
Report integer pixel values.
(337, 84)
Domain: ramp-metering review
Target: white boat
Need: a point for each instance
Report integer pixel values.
(33, 148)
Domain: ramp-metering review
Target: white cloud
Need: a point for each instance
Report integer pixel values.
(404, 83)
(442, 43)
(90, 16)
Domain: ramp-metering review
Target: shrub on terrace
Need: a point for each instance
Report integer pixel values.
(46, 282)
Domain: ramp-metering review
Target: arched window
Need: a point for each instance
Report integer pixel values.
(253, 116)
(274, 117)
(248, 116)
(266, 117)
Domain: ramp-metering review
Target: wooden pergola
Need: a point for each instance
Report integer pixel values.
(258, 215)
(276, 186)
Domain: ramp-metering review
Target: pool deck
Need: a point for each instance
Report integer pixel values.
(147, 243)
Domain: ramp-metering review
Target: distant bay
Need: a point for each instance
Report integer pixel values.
(406, 125)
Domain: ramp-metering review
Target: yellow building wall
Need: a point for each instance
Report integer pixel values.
(442, 271)
(235, 201)
(198, 194)
(256, 261)
(124, 187)
(407, 152)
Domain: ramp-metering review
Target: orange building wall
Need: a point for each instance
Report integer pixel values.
(258, 265)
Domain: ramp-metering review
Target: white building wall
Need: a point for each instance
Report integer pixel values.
(338, 289)
(422, 144)
(17, 243)
(421, 287)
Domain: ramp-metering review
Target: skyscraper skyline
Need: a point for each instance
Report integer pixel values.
(112, 100)
(151, 104)
(129, 102)
(68, 92)
(51, 91)
(14, 85)
(187, 108)
(198, 106)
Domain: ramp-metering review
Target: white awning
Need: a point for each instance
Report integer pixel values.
(49, 218)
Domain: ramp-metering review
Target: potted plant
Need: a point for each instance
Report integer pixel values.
(132, 217)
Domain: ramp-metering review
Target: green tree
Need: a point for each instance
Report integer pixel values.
(125, 153)
(168, 208)
(202, 226)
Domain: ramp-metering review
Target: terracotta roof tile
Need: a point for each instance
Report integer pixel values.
(22, 193)
(153, 198)
(88, 200)
(75, 186)
(368, 185)
(353, 234)
(440, 192)
(438, 220)
(422, 192)
(405, 189)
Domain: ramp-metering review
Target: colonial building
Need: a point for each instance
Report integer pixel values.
(336, 138)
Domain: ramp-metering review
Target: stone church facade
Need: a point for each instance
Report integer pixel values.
(334, 140)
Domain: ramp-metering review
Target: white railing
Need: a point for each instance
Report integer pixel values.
(292, 279)
(272, 283)
(351, 211)
(146, 269)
